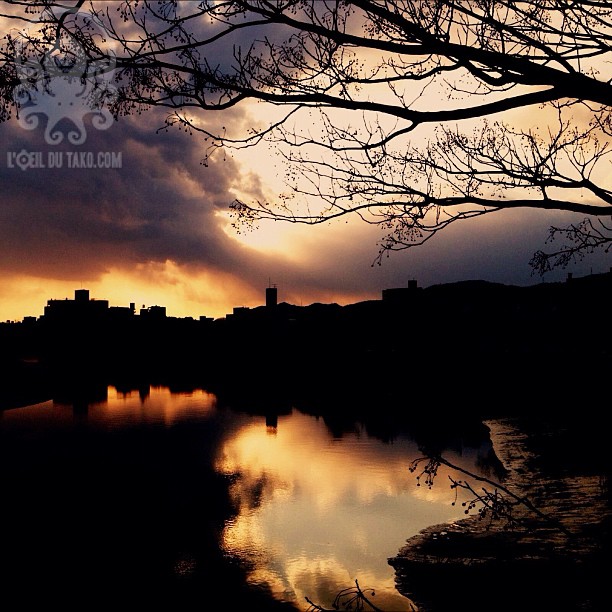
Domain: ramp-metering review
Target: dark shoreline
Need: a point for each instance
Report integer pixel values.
(533, 565)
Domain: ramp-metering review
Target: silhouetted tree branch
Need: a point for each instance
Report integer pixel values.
(351, 598)
(404, 113)
(578, 240)
(495, 502)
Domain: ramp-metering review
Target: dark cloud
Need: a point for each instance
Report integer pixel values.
(163, 204)
(160, 205)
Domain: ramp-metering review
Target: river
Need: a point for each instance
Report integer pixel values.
(150, 494)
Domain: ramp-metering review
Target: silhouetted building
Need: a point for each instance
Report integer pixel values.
(401, 294)
(240, 310)
(153, 312)
(120, 312)
(78, 309)
(271, 296)
(81, 295)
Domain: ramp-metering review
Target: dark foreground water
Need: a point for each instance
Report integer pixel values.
(164, 500)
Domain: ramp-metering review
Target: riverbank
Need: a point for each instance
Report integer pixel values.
(552, 558)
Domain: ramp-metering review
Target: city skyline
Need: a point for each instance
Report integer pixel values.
(130, 206)
(271, 296)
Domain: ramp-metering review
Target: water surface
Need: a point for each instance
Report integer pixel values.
(126, 479)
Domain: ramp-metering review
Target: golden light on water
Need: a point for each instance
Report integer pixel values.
(317, 512)
(159, 405)
(150, 405)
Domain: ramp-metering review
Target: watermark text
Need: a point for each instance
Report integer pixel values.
(29, 160)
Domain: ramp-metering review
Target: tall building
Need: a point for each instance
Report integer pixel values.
(271, 296)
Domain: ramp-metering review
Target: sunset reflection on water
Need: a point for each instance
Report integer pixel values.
(115, 408)
(315, 512)
(318, 512)
(157, 405)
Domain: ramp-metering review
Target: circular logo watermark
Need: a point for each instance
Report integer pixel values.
(65, 83)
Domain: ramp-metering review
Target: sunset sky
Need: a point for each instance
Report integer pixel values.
(156, 231)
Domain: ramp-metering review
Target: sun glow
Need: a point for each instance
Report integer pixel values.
(185, 292)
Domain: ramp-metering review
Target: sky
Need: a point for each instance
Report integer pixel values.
(155, 230)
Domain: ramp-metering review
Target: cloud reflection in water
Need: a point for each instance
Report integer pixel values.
(317, 512)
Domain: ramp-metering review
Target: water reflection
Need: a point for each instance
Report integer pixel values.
(117, 503)
(116, 409)
(317, 512)
(157, 405)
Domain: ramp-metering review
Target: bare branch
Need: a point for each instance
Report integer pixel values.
(370, 69)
